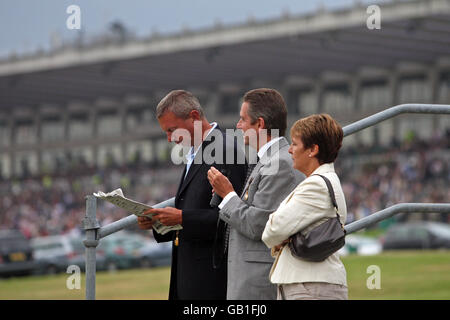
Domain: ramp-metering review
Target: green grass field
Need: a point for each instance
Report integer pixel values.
(404, 275)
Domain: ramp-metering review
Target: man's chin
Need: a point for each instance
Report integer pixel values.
(247, 143)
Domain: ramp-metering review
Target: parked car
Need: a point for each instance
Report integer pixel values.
(56, 253)
(122, 250)
(154, 254)
(16, 254)
(361, 245)
(52, 252)
(417, 235)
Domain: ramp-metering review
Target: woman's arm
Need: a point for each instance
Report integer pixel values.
(308, 204)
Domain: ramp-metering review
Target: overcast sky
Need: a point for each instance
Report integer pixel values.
(29, 25)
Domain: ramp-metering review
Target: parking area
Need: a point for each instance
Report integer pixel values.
(54, 254)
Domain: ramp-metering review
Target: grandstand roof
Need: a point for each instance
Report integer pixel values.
(412, 32)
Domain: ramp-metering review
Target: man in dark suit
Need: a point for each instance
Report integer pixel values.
(194, 274)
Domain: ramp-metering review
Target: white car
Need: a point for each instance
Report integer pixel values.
(360, 245)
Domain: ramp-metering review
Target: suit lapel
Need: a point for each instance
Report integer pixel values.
(190, 175)
(271, 152)
(181, 180)
(195, 166)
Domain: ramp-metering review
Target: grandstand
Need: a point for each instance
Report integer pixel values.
(81, 117)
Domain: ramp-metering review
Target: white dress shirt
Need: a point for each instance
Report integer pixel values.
(191, 155)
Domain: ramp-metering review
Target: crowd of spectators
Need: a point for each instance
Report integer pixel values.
(412, 171)
(56, 204)
(373, 178)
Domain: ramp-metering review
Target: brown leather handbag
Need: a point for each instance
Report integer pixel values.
(323, 240)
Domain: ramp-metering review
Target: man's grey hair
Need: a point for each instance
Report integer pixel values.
(181, 103)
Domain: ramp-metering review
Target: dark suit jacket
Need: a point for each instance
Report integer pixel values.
(193, 275)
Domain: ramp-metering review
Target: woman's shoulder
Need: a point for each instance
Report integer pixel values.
(311, 183)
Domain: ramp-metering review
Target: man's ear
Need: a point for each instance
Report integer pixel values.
(261, 123)
(194, 115)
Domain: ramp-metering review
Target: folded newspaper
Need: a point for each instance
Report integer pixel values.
(116, 197)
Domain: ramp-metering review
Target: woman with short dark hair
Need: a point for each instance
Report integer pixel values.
(316, 141)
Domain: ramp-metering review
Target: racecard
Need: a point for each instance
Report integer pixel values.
(117, 198)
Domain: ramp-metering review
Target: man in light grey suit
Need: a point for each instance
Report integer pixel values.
(263, 120)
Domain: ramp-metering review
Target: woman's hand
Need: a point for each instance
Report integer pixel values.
(278, 247)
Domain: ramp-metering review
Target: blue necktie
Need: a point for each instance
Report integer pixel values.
(190, 161)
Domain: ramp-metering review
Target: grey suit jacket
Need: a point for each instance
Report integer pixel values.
(249, 259)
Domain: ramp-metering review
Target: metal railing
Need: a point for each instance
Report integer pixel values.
(94, 232)
(398, 208)
(394, 111)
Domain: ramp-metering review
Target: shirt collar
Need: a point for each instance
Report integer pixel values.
(190, 156)
(324, 168)
(266, 147)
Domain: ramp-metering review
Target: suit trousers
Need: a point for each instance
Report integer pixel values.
(312, 291)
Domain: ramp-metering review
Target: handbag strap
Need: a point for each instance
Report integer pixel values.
(330, 191)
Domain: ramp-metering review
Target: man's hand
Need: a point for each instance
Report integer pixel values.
(168, 216)
(145, 223)
(221, 185)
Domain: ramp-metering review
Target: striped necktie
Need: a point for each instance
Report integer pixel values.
(227, 229)
(249, 172)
